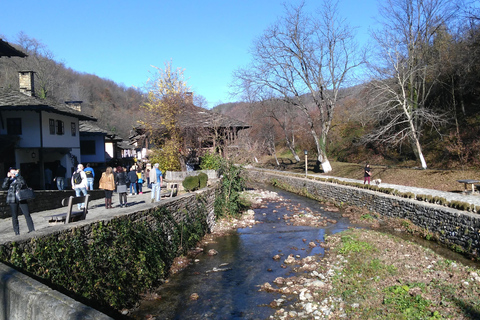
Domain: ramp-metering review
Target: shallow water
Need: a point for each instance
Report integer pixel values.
(247, 254)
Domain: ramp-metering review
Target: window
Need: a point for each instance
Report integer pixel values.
(60, 128)
(87, 147)
(51, 124)
(14, 126)
(74, 129)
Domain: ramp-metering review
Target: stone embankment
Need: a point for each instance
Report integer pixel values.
(457, 229)
(26, 298)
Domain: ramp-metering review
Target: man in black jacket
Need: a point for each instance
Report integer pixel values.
(132, 179)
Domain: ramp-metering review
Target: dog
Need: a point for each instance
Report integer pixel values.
(377, 181)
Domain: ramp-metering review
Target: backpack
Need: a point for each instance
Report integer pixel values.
(77, 178)
(89, 174)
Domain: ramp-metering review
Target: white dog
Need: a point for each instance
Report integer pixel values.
(377, 181)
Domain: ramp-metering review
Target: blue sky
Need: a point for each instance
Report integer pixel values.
(120, 40)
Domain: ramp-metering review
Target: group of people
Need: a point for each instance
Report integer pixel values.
(82, 180)
(122, 181)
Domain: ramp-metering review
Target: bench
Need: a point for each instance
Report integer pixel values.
(170, 190)
(71, 215)
(467, 182)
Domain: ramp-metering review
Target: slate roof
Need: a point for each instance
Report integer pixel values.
(14, 100)
(88, 127)
(192, 116)
(6, 50)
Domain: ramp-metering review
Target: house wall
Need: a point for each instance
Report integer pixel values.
(99, 155)
(65, 140)
(30, 137)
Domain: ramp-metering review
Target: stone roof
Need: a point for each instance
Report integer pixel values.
(6, 50)
(14, 100)
(192, 116)
(88, 127)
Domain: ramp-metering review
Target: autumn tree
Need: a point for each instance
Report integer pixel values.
(405, 72)
(167, 91)
(303, 54)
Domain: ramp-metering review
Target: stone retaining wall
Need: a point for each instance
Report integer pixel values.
(45, 200)
(24, 298)
(454, 228)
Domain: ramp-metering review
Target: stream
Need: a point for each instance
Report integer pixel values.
(227, 284)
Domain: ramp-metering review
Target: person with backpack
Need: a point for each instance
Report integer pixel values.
(90, 176)
(79, 183)
(121, 183)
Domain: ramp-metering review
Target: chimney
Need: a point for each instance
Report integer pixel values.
(75, 105)
(189, 97)
(26, 83)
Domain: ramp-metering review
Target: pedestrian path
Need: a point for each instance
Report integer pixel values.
(96, 211)
(450, 196)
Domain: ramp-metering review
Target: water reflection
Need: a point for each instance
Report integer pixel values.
(248, 256)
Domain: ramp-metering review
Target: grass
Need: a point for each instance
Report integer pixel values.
(382, 277)
(443, 180)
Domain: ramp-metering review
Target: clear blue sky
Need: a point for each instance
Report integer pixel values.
(120, 40)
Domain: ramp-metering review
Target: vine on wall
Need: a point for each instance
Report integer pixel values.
(115, 262)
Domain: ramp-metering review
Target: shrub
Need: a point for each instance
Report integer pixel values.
(203, 179)
(211, 161)
(191, 183)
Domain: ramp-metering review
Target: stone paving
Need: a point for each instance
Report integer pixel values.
(450, 196)
(96, 211)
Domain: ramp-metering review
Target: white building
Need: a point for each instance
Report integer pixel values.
(35, 134)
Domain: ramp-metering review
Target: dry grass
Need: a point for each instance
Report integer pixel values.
(443, 180)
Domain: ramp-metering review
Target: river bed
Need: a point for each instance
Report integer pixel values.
(227, 285)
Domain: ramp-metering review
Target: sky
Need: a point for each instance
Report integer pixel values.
(121, 40)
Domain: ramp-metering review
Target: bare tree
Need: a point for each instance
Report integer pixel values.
(303, 54)
(405, 76)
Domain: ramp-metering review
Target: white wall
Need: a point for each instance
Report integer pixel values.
(99, 155)
(30, 137)
(60, 141)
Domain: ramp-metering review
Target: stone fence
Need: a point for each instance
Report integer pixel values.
(45, 200)
(454, 228)
(25, 298)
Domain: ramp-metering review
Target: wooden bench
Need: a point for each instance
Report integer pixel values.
(170, 190)
(71, 215)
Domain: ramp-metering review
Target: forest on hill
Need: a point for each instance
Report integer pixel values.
(115, 106)
(419, 103)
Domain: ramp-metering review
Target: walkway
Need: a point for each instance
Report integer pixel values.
(96, 211)
(450, 196)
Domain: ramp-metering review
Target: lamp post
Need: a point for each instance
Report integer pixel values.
(306, 153)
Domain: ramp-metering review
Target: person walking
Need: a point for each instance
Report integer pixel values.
(156, 181)
(107, 183)
(132, 178)
(90, 173)
(60, 176)
(121, 183)
(140, 179)
(79, 183)
(367, 173)
(13, 182)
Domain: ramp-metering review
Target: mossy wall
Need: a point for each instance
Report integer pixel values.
(109, 263)
(455, 228)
